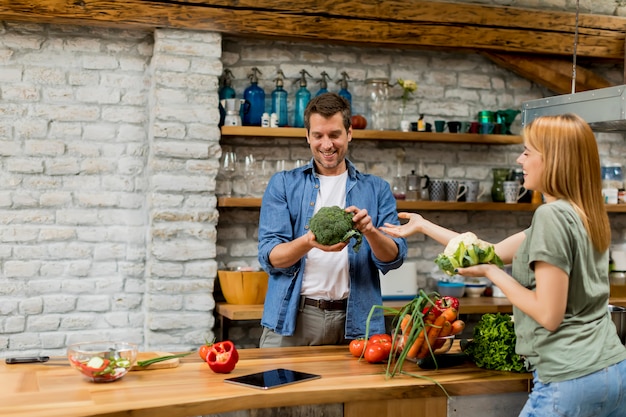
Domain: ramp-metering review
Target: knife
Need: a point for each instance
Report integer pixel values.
(27, 359)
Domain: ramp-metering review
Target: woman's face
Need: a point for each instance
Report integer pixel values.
(532, 165)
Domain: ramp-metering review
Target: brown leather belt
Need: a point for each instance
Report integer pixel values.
(326, 304)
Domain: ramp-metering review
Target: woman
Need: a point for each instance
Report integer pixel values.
(559, 286)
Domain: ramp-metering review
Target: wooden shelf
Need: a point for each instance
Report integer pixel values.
(254, 202)
(299, 133)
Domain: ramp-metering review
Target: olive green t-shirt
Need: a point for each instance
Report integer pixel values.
(586, 341)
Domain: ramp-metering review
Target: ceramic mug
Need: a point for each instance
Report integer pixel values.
(512, 191)
(454, 190)
(437, 190)
(486, 128)
(473, 190)
(440, 126)
(453, 127)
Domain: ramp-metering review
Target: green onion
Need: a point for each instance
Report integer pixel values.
(148, 362)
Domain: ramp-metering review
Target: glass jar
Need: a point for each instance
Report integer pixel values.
(377, 103)
(497, 189)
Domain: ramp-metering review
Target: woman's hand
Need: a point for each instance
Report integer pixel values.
(414, 225)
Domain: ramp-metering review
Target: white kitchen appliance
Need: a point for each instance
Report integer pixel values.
(401, 283)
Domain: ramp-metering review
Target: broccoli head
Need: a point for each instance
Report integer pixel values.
(332, 225)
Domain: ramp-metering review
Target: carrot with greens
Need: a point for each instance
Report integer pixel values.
(457, 327)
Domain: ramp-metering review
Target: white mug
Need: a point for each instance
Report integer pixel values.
(512, 191)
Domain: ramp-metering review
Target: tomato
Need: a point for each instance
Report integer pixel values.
(382, 339)
(357, 346)
(376, 353)
(204, 351)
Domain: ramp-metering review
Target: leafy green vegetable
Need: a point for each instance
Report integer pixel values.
(332, 225)
(466, 250)
(493, 345)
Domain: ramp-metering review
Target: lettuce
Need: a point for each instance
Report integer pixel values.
(493, 345)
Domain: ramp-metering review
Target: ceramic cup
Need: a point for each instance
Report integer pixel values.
(465, 127)
(486, 128)
(512, 191)
(454, 190)
(440, 125)
(437, 190)
(453, 127)
(473, 190)
(474, 127)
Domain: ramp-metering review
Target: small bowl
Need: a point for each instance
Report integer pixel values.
(475, 290)
(451, 289)
(102, 361)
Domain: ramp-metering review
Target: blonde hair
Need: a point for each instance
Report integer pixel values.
(572, 170)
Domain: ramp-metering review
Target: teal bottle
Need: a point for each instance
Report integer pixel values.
(323, 84)
(225, 91)
(279, 100)
(343, 85)
(255, 101)
(303, 96)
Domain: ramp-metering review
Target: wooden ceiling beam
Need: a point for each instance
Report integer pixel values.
(399, 24)
(553, 73)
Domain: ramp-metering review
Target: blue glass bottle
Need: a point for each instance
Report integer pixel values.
(303, 96)
(255, 98)
(343, 84)
(225, 91)
(323, 84)
(279, 100)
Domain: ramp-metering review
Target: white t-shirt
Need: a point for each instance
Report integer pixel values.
(327, 274)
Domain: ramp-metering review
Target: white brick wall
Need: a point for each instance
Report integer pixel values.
(109, 147)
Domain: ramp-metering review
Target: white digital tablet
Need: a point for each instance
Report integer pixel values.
(272, 379)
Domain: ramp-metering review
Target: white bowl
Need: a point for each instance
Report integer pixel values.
(474, 290)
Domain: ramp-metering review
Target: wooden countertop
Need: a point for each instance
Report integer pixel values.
(53, 389)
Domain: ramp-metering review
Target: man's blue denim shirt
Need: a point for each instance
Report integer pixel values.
(286, 210)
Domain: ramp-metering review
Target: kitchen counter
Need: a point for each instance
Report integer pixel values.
(53, 389)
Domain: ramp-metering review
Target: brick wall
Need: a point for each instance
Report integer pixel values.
(109, 148)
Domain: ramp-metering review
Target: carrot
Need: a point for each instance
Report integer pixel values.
(405, 324)
(433, 333)
(445, 332)
(450, 314)
(416, 346)
(457, 327)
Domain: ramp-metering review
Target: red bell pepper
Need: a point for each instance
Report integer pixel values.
(222, 357)
(446, 302)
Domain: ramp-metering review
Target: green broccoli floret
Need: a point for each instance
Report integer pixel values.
(332, 225)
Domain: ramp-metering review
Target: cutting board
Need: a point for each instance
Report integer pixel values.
(143, 356)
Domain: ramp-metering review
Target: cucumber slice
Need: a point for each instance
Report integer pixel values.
(95, 362)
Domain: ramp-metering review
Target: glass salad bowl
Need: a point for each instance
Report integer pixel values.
(102, 361)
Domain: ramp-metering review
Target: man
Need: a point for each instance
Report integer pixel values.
(323, 294)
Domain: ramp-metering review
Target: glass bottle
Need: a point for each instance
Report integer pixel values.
(255, 96)
(497, 189)
(225, 91)
(343, 85)
(303, 96)
(378, 102)
(323, 84)
(279, 100)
